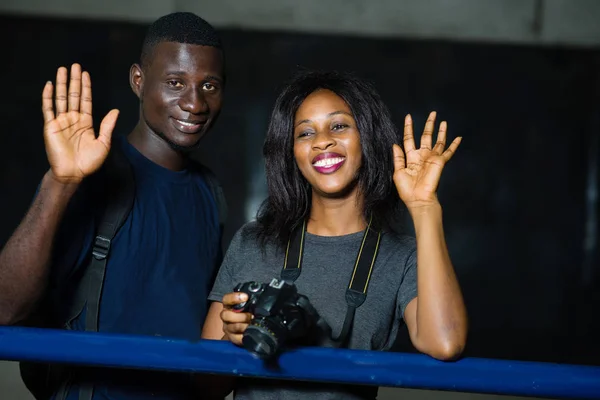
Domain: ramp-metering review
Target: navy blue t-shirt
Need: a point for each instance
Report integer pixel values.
(159, 272)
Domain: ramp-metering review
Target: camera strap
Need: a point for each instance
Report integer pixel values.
(356, 293)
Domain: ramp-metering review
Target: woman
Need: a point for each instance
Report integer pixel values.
(334, 170)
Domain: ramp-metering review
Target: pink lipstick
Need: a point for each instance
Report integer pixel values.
(328, 163)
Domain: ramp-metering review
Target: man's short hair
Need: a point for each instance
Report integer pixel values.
(179, 27)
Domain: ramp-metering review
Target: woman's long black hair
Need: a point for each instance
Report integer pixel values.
(289, 199)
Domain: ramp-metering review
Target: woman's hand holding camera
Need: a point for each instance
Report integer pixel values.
(234, 322)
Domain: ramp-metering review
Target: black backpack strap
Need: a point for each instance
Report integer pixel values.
(217, 191)
(118, 193)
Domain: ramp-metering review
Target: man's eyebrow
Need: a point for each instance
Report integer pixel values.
(206, 78)
(213, 78)
(178, 73)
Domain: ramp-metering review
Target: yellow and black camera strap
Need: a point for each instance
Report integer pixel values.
(356, 293)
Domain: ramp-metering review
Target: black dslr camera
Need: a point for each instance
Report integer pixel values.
(280, 316)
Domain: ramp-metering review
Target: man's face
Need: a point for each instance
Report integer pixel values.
(180, 90)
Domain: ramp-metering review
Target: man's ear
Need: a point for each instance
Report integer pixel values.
(136, 79)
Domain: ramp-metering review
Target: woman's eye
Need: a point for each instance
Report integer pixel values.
(304, 133)
(337, 127)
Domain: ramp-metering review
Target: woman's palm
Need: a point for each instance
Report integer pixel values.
(417, 173)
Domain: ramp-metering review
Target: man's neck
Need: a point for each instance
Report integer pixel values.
(156, 149)
(336, 217)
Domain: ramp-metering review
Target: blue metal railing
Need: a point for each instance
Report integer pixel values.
(475, 375)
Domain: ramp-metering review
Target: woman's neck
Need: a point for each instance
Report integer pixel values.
(336, 217)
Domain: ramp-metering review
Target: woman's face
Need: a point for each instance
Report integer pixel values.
(327, 144)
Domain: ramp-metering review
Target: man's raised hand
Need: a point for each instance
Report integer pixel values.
(73, 150)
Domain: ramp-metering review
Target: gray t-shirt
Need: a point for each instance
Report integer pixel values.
(326, 270)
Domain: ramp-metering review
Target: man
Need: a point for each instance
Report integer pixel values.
(164, 256)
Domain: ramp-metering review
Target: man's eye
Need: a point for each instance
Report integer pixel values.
(174, 84)
(209, 87)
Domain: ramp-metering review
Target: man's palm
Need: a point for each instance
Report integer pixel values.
(73, 150)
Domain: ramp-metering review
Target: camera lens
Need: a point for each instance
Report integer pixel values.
(254, 287)
(263, 337)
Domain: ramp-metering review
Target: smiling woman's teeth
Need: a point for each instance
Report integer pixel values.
(327, 162)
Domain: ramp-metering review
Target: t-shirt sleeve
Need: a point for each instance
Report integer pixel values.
(224, 282)
(408, 286)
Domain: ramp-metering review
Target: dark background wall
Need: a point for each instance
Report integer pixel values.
(516, 196)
